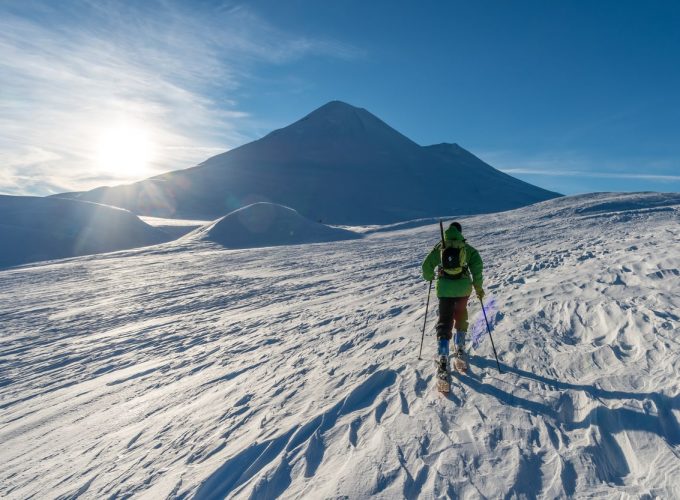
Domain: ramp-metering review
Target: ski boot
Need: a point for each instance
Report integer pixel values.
(460, 361)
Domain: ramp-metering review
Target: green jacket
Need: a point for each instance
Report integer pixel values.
(454, 287)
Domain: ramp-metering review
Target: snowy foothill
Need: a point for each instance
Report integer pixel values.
(34, 229)
(267, 224)
(187, 370)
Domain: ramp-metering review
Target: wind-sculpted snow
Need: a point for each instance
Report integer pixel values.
(187, 370)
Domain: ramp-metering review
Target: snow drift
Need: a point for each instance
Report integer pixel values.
(34, 229)
(188, 371)
(267, 224)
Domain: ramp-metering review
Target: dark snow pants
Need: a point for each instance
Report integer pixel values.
(452, 310)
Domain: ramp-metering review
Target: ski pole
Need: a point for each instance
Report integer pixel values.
(489, 330)
(427, 305)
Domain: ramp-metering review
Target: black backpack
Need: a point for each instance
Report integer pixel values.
(454, 257)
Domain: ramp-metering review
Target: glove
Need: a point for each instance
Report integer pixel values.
(479, 291)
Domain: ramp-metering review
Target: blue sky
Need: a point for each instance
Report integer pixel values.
(573, 96)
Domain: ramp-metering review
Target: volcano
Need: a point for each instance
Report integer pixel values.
(340, 165)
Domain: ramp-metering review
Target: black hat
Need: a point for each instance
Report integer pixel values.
(457, 226)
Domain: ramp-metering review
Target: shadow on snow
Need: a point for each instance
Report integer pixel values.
(609, 460)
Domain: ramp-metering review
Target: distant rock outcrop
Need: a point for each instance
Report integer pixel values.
(34, 229)
(340, 164)
(267, 224)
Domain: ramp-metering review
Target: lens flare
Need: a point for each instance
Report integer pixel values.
(479, 326)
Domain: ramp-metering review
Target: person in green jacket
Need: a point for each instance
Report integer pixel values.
(453, 291)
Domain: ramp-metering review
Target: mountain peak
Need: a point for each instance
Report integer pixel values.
(338, 128)
(446, 146)
(336, 105)
(339, 110)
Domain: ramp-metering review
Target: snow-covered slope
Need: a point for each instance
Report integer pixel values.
(187, 370)
(267, 224)
(339, 164)
(175, 228)
(34, 229)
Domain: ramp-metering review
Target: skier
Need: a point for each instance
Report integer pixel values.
(460, 269)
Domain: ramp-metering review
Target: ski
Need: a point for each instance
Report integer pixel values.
(443, 376)
(459, 360)
(460, 364)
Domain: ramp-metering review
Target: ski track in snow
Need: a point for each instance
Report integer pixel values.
(191, 371)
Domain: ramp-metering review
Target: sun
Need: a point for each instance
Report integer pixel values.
(124, 151)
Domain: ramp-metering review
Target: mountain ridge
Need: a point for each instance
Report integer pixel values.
(339, 164)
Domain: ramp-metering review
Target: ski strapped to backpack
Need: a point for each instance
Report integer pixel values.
(453, 256)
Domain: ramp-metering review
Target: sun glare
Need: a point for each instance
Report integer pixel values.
(124, 151)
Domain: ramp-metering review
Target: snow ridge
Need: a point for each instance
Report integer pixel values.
(34, 229)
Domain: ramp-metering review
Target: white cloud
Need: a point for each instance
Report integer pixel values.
(578, 166)
(69, 70)
(581, 173)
